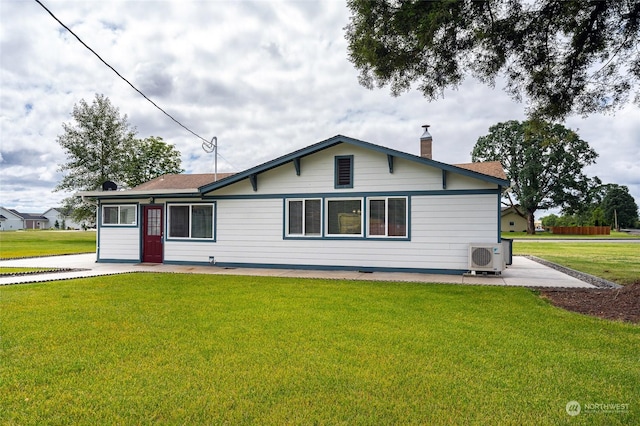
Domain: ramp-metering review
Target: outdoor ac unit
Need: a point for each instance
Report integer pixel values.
(486, 258)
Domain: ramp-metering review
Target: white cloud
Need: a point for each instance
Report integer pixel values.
(265, 77)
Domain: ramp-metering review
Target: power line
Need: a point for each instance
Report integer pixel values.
(205, 141)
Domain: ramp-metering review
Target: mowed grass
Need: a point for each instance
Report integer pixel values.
(548, 235)
(14, 244)
(617, 262)
(196, 349)
(10, 270)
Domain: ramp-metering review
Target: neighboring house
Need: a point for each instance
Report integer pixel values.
(338, 204)
(10, 220)
(13, 220)
(512, 221)
(32, 220)
(54, 215)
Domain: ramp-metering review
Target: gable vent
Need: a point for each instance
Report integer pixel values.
(344, 172)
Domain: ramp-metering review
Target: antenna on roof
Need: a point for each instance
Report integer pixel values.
(210, 147)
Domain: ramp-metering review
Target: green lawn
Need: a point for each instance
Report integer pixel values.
(10, 270)
(617, 262)
(548, 235)
(190, 349)
(15, 244)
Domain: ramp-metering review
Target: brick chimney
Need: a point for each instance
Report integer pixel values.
(426, 143)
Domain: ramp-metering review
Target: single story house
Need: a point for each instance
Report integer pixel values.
(13, 220)
(511, 221)
(10, 220)
(338, 204)
(54, 215)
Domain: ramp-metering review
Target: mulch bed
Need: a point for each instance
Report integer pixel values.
(621, 304)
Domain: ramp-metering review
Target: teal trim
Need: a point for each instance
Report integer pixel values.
(187, 263)
(409, 219)
(336, 268)
(98, 229)
(117, 198)
(499, 214)
(338, 139)
(341, 194)
(296, 164)
(284, 218)
(336, 172)
(191, 240)
(115, 203)
(117, 261)
(365, 205)
(188, 240)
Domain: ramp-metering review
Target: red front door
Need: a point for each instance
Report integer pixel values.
(152, 234)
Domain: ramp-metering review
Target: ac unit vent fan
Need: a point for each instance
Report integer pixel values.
(481, 256)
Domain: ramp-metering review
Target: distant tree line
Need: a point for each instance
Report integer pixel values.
(608, 204)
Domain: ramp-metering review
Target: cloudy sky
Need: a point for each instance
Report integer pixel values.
(265, 77)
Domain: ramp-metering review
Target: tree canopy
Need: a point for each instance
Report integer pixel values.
(149, 158)
(619, 207)
(95, 142)
(544, 163)
(100, 145)
(563, 56)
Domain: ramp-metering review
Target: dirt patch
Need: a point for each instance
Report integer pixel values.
(622, 304)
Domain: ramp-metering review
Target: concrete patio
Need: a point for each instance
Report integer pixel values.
(523, 273)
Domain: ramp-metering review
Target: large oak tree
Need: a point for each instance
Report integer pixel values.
(562, 56)
(619, 207)
(544, 163)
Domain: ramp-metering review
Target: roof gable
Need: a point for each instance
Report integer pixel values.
(471, 171)
(11, 212)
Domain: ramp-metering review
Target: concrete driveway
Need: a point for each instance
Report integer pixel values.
(523, 273)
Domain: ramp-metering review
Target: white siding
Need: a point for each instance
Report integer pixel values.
(119, 243)
(251, 232)
(458, 181)
(52, 215)
(12, 221)
(371, 173)
(250, 224)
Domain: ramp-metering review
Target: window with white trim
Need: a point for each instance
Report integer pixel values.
(387, 217)
(304, 217)
(344, 217)
(119, 214)
(190, 221)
